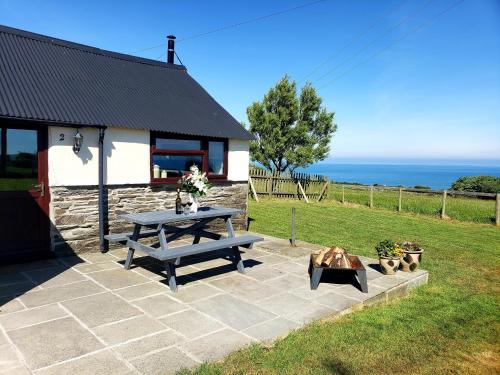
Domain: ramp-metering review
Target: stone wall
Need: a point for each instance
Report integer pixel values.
(75, 218)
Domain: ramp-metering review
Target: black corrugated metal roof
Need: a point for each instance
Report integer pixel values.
(53, 80)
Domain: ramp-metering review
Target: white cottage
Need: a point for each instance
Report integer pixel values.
(87, 134)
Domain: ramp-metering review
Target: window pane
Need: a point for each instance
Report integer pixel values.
(175, 165)
(178, 144)
(18, 159)
(216, 157)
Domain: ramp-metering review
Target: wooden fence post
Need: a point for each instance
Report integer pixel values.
(252, 188)
(270, 185)
(443, 204)
(292, 241)
(497, 210)
(371, 196)
(399, 201)
(323, 191)
(302, 191)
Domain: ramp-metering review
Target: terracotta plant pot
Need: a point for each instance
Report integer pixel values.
(389, 265)
(411, 260)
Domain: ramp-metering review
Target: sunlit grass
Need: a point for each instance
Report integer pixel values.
(450, 325)
(458, 208)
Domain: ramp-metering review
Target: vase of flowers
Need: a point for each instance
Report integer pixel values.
(389, 256)
(196, 185)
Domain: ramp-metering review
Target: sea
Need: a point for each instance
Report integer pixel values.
(434, 175)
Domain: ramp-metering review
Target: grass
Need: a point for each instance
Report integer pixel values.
(17, 178)
(17, 184)
(449, 326)
(458, 208)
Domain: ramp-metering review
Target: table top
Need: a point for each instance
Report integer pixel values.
(169, 216)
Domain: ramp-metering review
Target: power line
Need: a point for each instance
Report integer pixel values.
(372, 42)
(252, 20)
(260, 18)
(351, 41)
(422, 25)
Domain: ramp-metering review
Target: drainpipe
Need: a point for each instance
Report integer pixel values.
(102, 243)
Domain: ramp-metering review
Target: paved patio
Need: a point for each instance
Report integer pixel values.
(87, 314)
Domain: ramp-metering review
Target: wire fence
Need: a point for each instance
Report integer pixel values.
(458, 205)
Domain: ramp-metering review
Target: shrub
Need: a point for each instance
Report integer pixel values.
(481, 184)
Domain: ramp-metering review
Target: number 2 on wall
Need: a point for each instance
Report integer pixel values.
(61, 137)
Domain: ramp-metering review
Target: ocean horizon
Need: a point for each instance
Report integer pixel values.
(403, 173)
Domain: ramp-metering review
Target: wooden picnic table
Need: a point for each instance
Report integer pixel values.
(164, 226)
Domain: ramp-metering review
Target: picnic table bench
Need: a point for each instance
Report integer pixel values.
(161, 224)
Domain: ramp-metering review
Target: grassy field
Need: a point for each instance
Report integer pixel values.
(449, 326)
(458, 208)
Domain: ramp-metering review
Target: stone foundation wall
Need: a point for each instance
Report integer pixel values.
(75, 218)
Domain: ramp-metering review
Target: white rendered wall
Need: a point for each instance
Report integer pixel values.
(66, 168)
(126, 155)
(238, 160)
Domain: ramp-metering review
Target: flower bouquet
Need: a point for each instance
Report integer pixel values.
(196, 185)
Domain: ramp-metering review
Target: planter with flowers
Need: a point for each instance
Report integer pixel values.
(412, 256)
(196, 185)
(389, 255)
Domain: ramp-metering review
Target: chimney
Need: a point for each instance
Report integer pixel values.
(171, 49)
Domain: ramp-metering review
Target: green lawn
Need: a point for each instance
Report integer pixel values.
(450, 325)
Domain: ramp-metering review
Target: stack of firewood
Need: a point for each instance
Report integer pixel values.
(334, 257)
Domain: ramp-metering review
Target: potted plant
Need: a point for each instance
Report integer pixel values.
(196, 185)
(389, 256)
(412, 256)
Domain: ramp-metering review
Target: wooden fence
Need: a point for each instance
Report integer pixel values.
(401, 194)
(309, 186)
(287, 185)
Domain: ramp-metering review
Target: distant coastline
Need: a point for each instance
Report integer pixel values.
(403, 173)
(414, 161)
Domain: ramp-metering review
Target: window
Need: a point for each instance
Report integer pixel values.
(215, 158)
(173, 155)
(18, 159)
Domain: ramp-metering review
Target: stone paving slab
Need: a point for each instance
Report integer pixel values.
(166, 361)
(216, 345)
(87, 315)
(160, 305)
(192, 323)
(125, 330)
(9, 305)
(100, 309)
(61, 293)
(148, 344)
(54, 276)
(47, 343)
(99, 363)
(271, 329)
(29, 317)
(232, 311)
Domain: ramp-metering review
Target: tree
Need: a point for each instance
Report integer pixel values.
(481, 184)
(290, 131)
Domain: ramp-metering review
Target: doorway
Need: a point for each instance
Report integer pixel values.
(24, 194)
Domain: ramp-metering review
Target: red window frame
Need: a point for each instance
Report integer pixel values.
(203, 152)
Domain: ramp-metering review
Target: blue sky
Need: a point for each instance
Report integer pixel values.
(435, 94)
